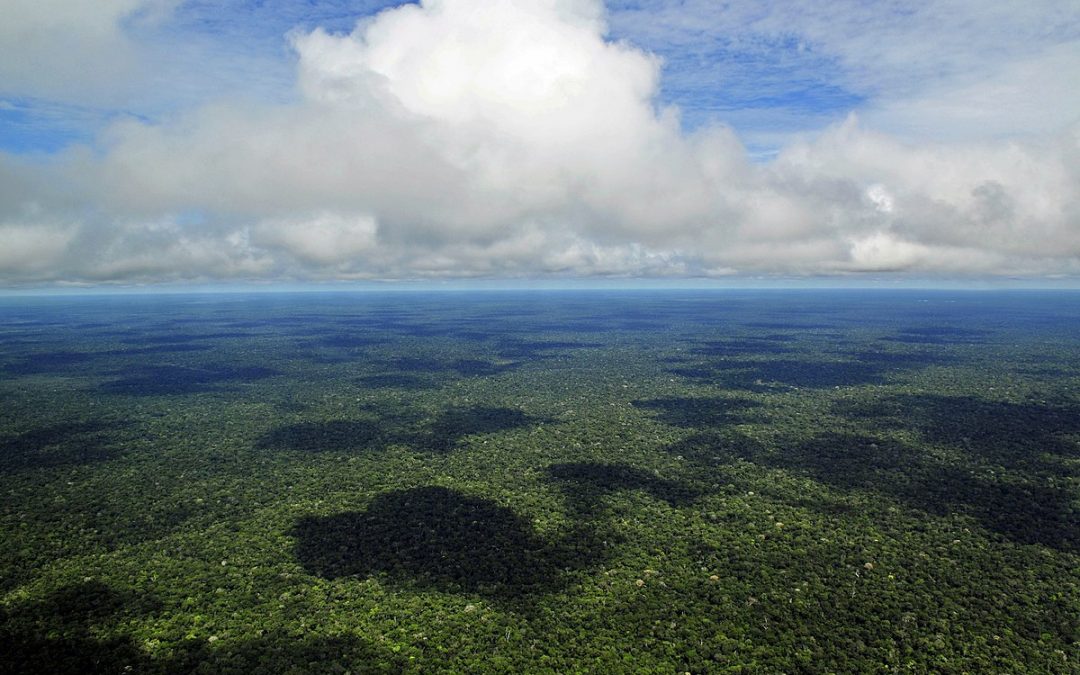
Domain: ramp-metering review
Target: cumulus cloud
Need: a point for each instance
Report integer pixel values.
(325, 239)
(70, 49)
(31, 248)
(449, 140)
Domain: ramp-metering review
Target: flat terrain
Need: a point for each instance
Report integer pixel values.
(600, 482)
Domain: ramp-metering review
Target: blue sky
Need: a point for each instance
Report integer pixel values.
(521, 141)
(758, 70)
(770, 85)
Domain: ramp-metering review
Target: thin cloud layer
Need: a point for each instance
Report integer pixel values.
(73, 50)
(441, 141)
(959, 70)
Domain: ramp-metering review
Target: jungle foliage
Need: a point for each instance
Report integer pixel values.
(646, 482)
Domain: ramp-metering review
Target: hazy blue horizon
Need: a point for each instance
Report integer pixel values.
(531, 286)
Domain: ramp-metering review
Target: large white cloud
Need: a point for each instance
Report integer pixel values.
(70, 49)
(513, 139)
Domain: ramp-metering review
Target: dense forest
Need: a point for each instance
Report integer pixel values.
(601, 482)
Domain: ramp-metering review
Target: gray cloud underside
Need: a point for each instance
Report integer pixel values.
(437, 141)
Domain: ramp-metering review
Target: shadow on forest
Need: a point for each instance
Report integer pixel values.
(532, 350)
(439, 538)
(714, 447)
(586, 483)
(169, 380)
(453, 425)
(281, 652)
(743, 346)
(1020, 507)
(441, 434)
(169, 348)
(939, 335)
(698, 413)
(350, 340)
(139, 338)
(397, 381)
(462, 367)
(789, 325)
(56, 634)
(61, 444)
(1015, 435)
(848, 461)
(49, 362)
(866, 367)
(588, 326)
(1009, 454)
(75, 363)
(61, 634)
(342, 436)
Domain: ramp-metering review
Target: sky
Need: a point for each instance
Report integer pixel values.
(157, 142)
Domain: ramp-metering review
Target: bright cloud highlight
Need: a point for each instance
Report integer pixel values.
(512, 138)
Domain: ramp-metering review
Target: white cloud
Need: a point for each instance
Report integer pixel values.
(879, 195)
(1033, 94)
(444, 140)
(31, 249)
(941, 70)
(884, 252)
(69, 49)
(324, 239)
